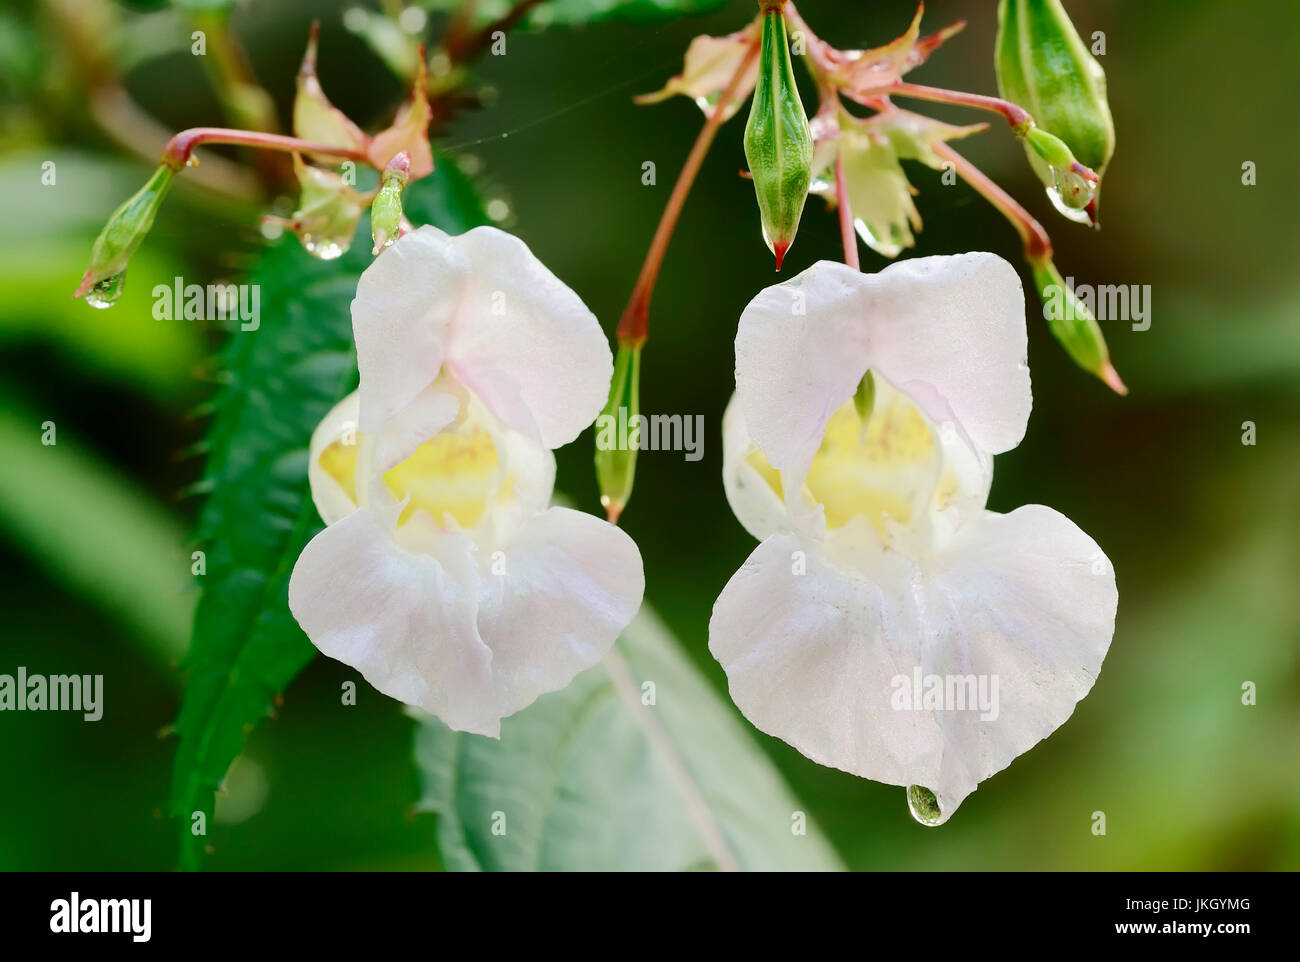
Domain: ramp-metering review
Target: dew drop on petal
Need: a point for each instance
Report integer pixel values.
(107, 292)
(923, 805)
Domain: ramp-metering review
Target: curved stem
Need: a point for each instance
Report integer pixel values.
(1038, 246)
(1014, 114)
(632, 328)
(847, 234)
(179, 149)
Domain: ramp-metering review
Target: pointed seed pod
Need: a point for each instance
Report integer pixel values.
(778, 142)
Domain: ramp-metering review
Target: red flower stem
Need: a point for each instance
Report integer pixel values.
(1038, 246)
(847, 233)
(179, 149)
(1018, 117)
(632, 328)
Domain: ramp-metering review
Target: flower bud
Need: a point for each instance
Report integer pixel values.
(778, 142)
(618, 434)
(1072, 323)
(328, 211)
(315, 118)
(709, 65)
(386, 211)
(1044, 66)
(864, 398)
(105, 277)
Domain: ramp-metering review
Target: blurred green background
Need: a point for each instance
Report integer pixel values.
(1204, 531)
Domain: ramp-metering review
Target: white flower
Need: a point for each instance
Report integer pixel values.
(881, 576)
(443, 576)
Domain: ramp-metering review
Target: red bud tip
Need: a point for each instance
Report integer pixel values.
(1111, 377)
(612, 511)
(779, 249)
(87, 282)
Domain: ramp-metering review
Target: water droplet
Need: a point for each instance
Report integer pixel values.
(889, 247)
(107, 292)
(325, 249)
(1071, 194)
(923, 805)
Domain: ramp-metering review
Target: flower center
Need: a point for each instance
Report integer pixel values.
(886, 467)
(457, 472)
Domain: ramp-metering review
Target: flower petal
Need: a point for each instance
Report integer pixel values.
(947, 331)
(950, 331)
(400, 316)
(1025, 601)
(334, 496)
(801, 351)
(1029, 599)
(566, 586)
(405, 621)
(809, 652)
(524, 341)
(753, 488)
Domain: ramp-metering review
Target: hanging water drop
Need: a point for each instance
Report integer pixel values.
(1072, 195)
(323, 248)
(923, 805)
(107, 292)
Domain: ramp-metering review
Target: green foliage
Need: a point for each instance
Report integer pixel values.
(94, 531)
(283, 378)
(570, 13)
(592, 778)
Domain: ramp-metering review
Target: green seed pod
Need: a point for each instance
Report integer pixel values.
(1044, 66)
(1074, 326)
(121, 237)
(617, 433)
(778, 143)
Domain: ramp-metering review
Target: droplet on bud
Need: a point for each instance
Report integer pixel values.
(1073, 195)
(1045, 67)
(121, 237)
(328, 211)
(106, 292)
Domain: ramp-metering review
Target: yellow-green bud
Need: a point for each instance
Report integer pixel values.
(618, 434)
(864, 398)
(105, 277)
(778, 142)
(1044, 66)
(386, 211)
(1072, 323)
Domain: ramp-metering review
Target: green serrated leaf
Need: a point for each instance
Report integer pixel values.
(593, 778)
(572, 13)
(284, 377)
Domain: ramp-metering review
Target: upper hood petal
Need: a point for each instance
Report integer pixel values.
(948, 331)
(524, 341)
